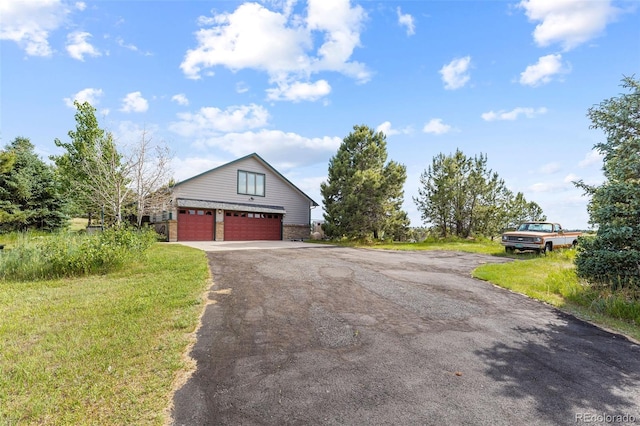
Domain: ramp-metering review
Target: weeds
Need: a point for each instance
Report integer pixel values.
(101, 349)
(66, 254)
(552, 279)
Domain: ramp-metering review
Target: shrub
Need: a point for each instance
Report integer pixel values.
(66, 255)
(605, 266)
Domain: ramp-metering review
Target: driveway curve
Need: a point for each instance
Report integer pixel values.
(331, 335)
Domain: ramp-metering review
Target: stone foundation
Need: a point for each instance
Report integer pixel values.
(295, 232)
(168, 228)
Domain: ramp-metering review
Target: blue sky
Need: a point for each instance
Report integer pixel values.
(289, 79)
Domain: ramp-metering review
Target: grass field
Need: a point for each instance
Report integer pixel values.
(103, 349)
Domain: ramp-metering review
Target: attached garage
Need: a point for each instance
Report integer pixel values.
(246, 199)
(195, 225)
(243, 226)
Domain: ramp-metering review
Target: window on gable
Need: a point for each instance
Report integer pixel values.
(250, 183)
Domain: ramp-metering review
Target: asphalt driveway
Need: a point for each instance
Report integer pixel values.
(329, 335)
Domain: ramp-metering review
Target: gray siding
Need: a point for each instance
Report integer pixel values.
(221, 185)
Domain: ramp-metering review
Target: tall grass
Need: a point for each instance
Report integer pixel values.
(71, 254)
(553, 279)
(100, 349)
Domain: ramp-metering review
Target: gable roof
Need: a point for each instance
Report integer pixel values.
(259, 159)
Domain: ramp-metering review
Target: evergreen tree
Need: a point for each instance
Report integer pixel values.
(460, 196)
(612, 258)
(30, 196)
(364, 193)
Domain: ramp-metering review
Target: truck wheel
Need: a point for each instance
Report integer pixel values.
(547, 248)
(509, 250)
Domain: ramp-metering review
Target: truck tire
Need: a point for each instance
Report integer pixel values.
(547, 248)
(509, 250)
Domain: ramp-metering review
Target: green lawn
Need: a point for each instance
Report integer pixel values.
(100, 349)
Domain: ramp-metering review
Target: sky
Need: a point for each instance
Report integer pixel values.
(217, 80)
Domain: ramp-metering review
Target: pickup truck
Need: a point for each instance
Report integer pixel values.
(540, 237)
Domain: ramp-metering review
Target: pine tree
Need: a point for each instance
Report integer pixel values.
(460, 196)
(30, 196)
(364, 193)
(612, 258)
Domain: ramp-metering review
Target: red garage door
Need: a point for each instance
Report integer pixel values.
(244, 226)
(195, 225)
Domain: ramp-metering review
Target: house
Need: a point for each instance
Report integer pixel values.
(246, 199)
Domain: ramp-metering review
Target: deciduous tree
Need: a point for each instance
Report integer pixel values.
(150, 174)
(71, 165)
(101, 177)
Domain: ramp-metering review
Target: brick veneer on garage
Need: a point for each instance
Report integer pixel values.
(296, 232)
(219, 231)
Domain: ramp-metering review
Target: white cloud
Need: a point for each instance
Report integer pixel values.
(550, 168)
(386, 129)
(340, 24)
(29, 23)
(455, 74)
(80, 5)
(132, 47)
(406, 20)
(593, 157)
(568, 22)
(78, 46)
(570, 178)
(298, 91)
(185, 168)
(389, 131)
(280, 44)
(242, 87)
(250, 37)
(308, 185)
(554, 186)
(513, 114)
(211, 121)
(129, 46)
(89, 94)
(436, 127)
(284, 150)
(543, 71)
(180, 98)
(134, 102)
(129, 133)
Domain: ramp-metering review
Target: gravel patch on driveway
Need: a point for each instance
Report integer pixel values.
(332, 335)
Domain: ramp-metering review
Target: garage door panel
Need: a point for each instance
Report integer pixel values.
(245, 226)
(195, 225)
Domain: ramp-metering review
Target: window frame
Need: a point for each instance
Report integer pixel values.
(247, 176)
